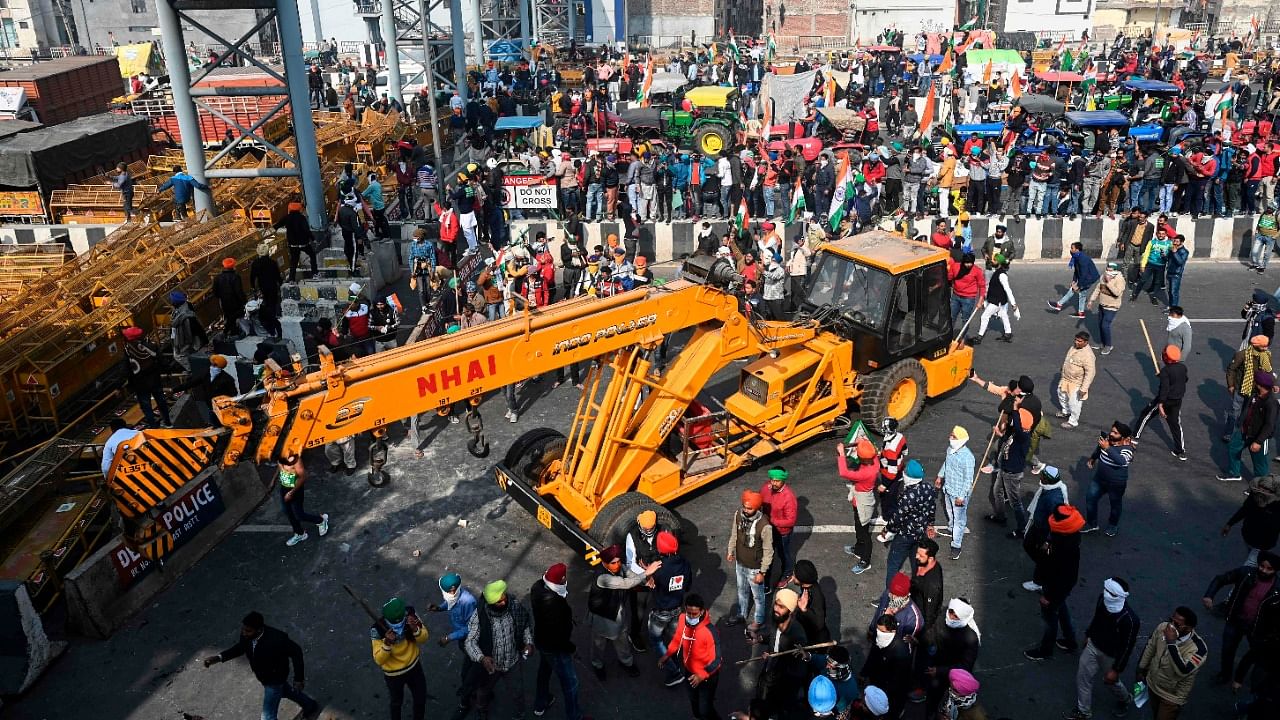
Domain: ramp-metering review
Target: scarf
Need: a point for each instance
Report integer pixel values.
(896, 603)
(1113, 596)
(1175, 322)
(964, 612)
(955, 703)
(561, 590)
(748, 526)
(450, 599)
(1031, 508)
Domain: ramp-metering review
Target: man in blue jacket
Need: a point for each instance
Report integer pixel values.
(1084, 274)
(184, 187)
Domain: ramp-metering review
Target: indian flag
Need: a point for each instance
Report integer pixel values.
(712, 51)
(733, 46)
(844, 190)
(973, 23)
(772, 48)
(797, 202)
(740, 220)
(1225, 103)
(643, 96)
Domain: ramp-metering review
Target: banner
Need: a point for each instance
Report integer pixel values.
(528, 192)
(184, 519)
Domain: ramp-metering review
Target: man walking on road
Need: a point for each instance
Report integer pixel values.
(1057, 572)
(780, 505)
(912, 515)
(1257, 422)
(955, 480)
(397, 643)
(1168, 401)
(751, 552)
(270, 651)
(698, 645)
(1109, 643)
(499, 636)
(1083, 276)
(1241, 371)
(1078, 371)
(1109, 294)
(1173, 656)
(553, 637)
(1255, 595)
(1110, 465)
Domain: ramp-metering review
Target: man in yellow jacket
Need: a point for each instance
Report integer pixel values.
(396, 646)
(1174, 655)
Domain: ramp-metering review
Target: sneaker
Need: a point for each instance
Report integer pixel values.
(296, 539)
(1088, 529)
(860, 568)
(1064, 646)
(995, 519)
(1053, 305)
(734, 621)
(1154, 301)
(942, 530)
(507, 415)
(1035, 654)
(454, 420)
(1062, 414)
(324, 524)
(848, 550)
(1077, 315)
(1031, 586)
(513, 417)
(673, 681)
(641, 648)
(349, 471)
(1070, 425)
(1180, 455)
(1107, 350)
(1261, 271)
(1095, 347)
(1229, 479)
(539, 713)
(1111, 531)
(955, 553)
(631, 670)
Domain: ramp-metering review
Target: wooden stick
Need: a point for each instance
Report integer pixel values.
(977, 470)
(959, 339)
(1146, 335)
(806, 648)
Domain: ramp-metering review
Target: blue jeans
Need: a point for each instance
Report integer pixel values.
(1105, 317)
(1261, 254)
(1175, 288)
(1081, 295)
(957, 518)
(961, 309)
(662, 628)
(1166, 197)
(768, 201)
(748, 591)
(1114, 492)
(595, 201)
(1148, 195)
(273, 694)
(1051, 198)
(1056, 614)
(1135, 194)
(570, 199)
(724, 200)
(562, 665)
(1219, 203)
(900, 549)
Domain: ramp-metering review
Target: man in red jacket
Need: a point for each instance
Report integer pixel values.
(698, 643)
(968, 287)
(780, 505)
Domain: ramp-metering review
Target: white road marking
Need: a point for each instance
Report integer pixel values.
(823, 529)
(264, 528)
(1217, 320)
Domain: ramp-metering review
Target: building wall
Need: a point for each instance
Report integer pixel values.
(1072, 16)
(871, 17)
(801, 18)
(131, 21)
(666, 20)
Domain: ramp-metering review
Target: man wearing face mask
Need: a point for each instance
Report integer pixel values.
(910, 520)
(1173, 656)
(841, 676)
(893, 457)
(698, 645)
(958, 645)
(670, 583)
(962, 697)
(553, 637)
(888, 665)
(1109, 643)
(1254, 599)
(897, 603)
(396, 649)
(1057, 572)
(955, 480)
(607, 604)
(499, 635)
(751, 552)
(461, 605)
(784, 677)
(641, 551)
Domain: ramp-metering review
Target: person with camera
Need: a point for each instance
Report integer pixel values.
(1110, 463)
(396, 643)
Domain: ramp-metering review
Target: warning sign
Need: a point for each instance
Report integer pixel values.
(528, 192)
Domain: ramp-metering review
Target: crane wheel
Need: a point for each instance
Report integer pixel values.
(533, 453)
(378, 478)
(619, 515)
(898, 392)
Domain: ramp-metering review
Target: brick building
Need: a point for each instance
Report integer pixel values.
(798, 22)
(666, 20)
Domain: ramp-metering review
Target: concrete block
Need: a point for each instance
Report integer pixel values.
(26, 650)
(98, 605)
(293, 333)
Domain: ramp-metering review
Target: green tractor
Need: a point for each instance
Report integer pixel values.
(711, 128)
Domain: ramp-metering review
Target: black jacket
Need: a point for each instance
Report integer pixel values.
(1173, 383)
(297, 231)
(1058, 565)
(889, 669)
(1115, 634)
(266, 278)
(926, 593)
(552, 619)
(204, 389)
(814, 619)
(1261, 527)
(1258, 419)
(1242, 580)
(957, 648)
(269, 657)
(229, 290)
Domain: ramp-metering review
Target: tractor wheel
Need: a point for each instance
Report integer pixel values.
(532, 454)
(896, 392)
(711, 140)
(619, 514)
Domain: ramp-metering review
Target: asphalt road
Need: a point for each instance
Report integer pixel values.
(444, 513)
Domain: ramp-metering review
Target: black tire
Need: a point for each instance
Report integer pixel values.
(722, 134)
(877, 389)
(616, 517)
(531, 452)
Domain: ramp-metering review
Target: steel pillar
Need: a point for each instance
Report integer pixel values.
(183, 106)
(572, 19)
(526, 30)
(304, 126)
(477, 38)
(459, 49)
(315, 21)
(429, 63)
(392, 51)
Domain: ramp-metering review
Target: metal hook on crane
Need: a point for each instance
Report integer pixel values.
(477, 445)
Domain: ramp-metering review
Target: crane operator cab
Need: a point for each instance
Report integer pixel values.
(884, 302)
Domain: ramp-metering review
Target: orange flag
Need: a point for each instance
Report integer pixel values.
(986, 74)
(1016, 87)
(945, 67)
(926, 118)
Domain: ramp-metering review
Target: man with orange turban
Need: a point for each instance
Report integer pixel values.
(1057, 572)
(1168, 400)
(228, 287)
(751, 552)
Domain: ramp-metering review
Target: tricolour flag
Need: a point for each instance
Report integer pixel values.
(844, 190)
(772, 48)
(973, 22)
(1015, 85)
(644, 96)
(741, 219)
(947, 63)
(733, 46)
(797, 202)
(829, 91)
(926, 118)
(1225, 103)
(986, 73)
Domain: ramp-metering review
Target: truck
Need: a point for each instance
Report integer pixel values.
(66, 88)
(873, 335)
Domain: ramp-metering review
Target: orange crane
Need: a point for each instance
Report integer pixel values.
(874, 334)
